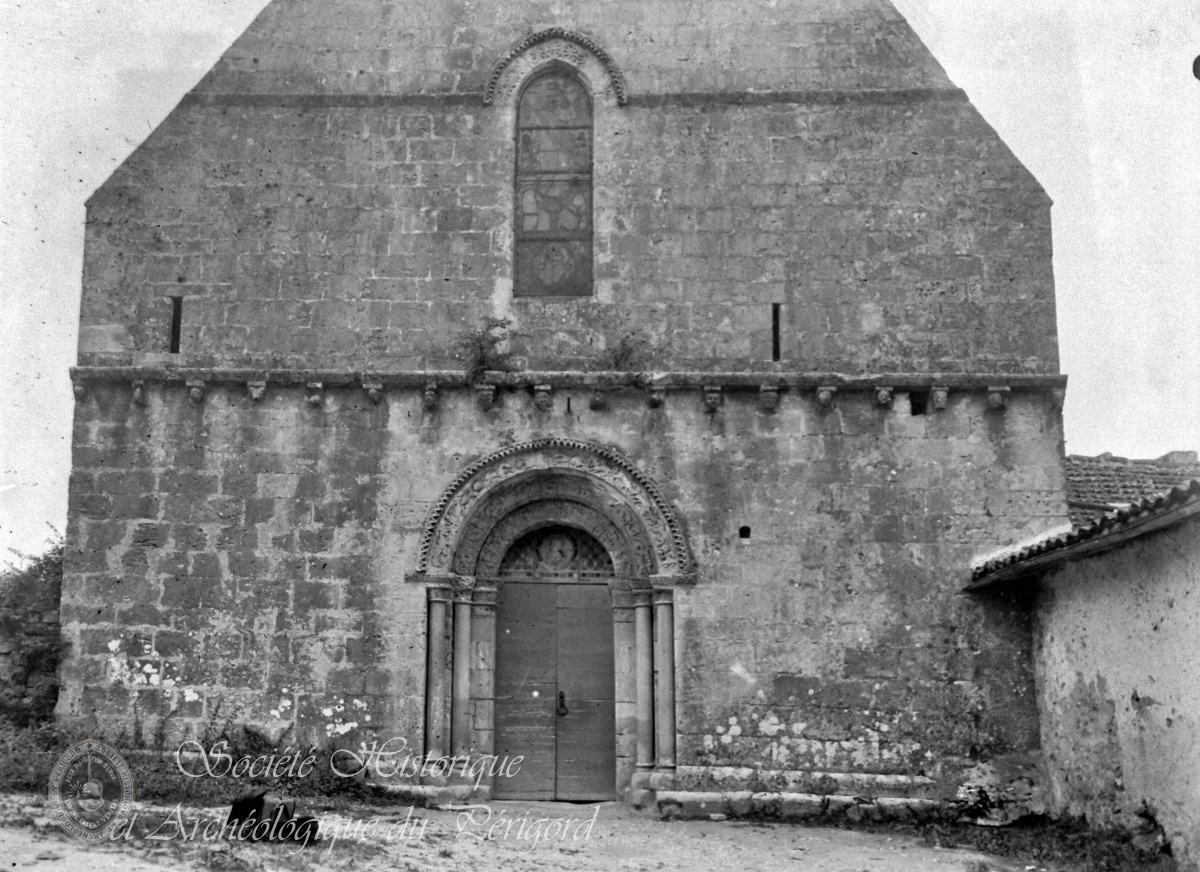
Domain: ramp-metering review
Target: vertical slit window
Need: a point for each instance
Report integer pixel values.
(176, 322)
(775, 349)
(553, 222)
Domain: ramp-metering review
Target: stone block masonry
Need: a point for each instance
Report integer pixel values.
(330, 226)
(249, 557)
(813, 371)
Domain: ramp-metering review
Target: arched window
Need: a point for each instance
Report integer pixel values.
(553, 239)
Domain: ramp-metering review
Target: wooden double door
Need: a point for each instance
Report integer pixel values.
(554, 703)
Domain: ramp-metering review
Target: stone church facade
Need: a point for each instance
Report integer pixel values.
(622, 386)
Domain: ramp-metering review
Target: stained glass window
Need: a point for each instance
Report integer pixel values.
(553, 237)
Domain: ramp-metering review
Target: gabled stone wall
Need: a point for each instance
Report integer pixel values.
(822, 300)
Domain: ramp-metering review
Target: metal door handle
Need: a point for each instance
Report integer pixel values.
(562, 703)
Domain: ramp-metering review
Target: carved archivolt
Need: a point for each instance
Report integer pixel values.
(567, 470)
(556, 44)
(546, 514)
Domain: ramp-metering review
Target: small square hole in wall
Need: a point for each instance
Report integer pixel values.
(918, 402)
(743, 532)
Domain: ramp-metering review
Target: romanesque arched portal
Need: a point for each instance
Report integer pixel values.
(566, 491)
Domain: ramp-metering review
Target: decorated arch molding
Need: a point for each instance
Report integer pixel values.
(553, 44)
(462, 526)
(546, 513)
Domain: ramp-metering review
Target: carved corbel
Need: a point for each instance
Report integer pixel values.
(825, 395)
(316, 394)
(543, 398)
(997, 398)
(712, 398)
(598, 401)
(80, 391)
(883, 397)
(139, 392)
(768, 398)
(485, 395)
(1058, 396)
(658, 396)
(197, 388)
(373, 390)
(429, 397)
(939, 397)
(257, 389)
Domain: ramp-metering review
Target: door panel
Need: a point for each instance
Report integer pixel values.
(585, 641)
(526, 689)
(587, 732)
(587, 753)
(556, 637)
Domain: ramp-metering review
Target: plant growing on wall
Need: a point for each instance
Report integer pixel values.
(629, 353)
(484, 349)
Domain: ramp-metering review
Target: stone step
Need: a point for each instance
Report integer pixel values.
(831, 808)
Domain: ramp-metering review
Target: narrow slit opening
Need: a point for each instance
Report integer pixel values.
(176, 322)
(775, 350)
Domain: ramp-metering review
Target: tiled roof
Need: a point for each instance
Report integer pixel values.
(1108, 530)
(1096, 485)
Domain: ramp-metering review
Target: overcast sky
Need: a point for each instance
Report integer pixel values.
(1096, 97)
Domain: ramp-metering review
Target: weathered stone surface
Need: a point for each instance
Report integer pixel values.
(335, 201)
(1118, 721)
(360, 217)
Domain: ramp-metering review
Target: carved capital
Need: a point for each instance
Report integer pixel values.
(712, 398)
(197, 388)
(939, 397)
(484, 595)
(657, 397)
(429, 397)
(997, 398)
(768, 398)
(825, 395)
(883, 397)
(139, 392)
(438, 593)
(485, 396)
(463, 588)
(374, 391)
(543, 398)
(642, 599)
(316, 394)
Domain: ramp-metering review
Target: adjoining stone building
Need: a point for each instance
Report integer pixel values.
(625, 386)
(1116, 634)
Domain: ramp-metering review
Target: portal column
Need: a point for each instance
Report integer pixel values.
(644, 668)
(438, 598)
(460, 693)
(664, 675)
(483, 667)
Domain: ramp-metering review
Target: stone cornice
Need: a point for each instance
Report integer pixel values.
(421, 379)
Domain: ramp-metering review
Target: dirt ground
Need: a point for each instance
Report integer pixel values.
(498, 836)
